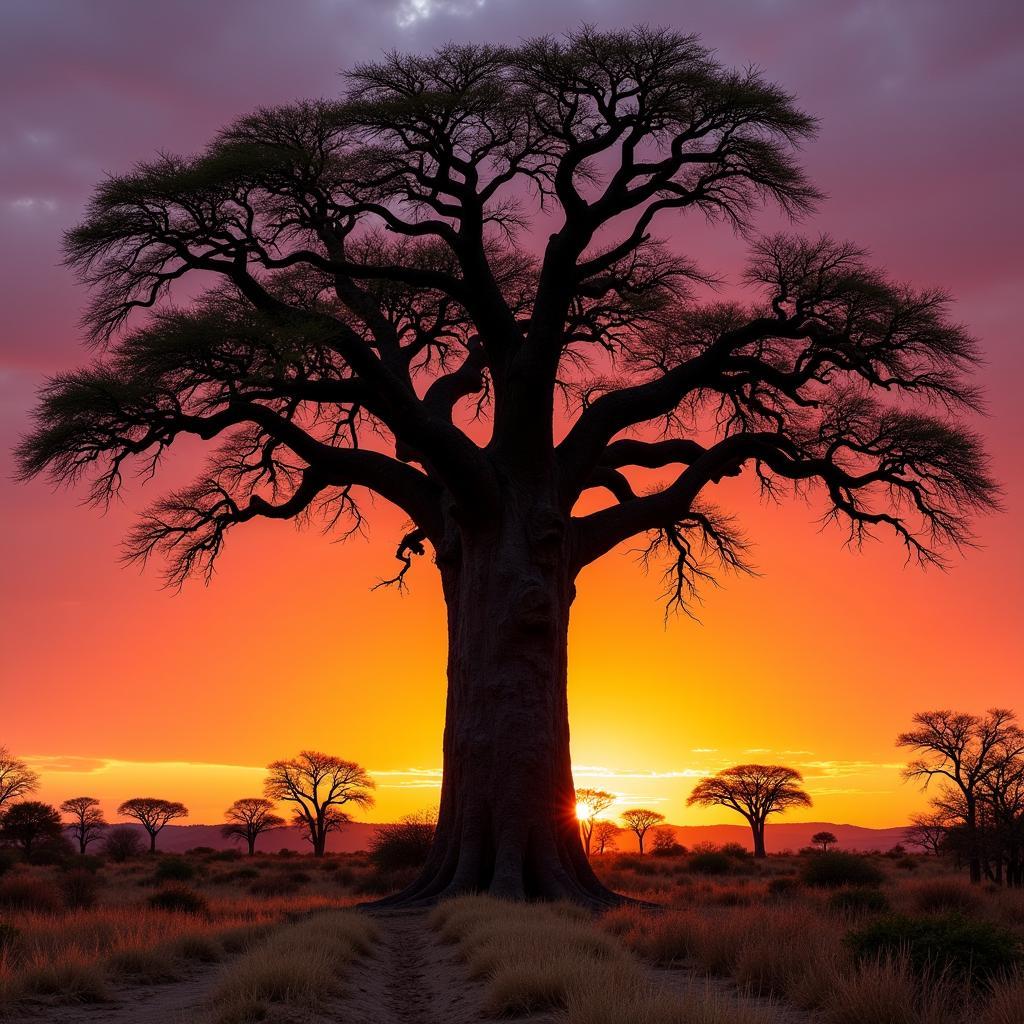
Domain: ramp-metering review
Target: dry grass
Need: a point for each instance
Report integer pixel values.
(300, 965)
(1006, 1001)
(537, 958)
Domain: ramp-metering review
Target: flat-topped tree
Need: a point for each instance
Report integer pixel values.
(376, 295)
(153, 814)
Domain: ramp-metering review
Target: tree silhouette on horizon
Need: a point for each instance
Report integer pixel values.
(755, 791)
(375, 322)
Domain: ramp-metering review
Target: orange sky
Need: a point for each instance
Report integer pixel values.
(113, 687)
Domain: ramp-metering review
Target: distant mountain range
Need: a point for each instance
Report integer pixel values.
(358, 835)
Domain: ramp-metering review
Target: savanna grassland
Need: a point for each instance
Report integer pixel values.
(216, 938)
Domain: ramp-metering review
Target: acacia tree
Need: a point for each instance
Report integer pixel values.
(153, 814)
(965, 751)
(928, 832)
(31, 824)
(755, 791)
(380, 323)
(87, 821)
(824, 840)
(248, 818)
(638, 820)
(319, 785)
(17, 780)
(590, 803)
(604, 836)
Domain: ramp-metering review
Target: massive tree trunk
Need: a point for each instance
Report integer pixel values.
(507, 820)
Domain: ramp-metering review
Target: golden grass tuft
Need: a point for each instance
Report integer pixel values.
(300, 965)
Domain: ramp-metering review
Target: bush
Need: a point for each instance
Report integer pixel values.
(86, 862)
(405, 844)
(970, 950)
(735, 850)
(227, 855)
(174, 869)
(711, 863)
(276, 884)
(860, 900)
(122, 843)
(179, 898)
(8, 858)
(944, 896)
(832, 870)
(24, 890)
(79, 887)
(783, 888)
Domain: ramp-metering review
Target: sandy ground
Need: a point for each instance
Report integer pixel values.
(411, 978)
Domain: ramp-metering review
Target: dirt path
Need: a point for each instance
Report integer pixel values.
(411, 978)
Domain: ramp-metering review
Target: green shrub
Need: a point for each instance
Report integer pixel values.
(970, 950)
(859, 900)
(179, 898)
(832, 870)
(174, 869)
(711, 863)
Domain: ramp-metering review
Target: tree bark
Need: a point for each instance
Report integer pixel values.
(757, 827)
(507, 819)
(152, 842)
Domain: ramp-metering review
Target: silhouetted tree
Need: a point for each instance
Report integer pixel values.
(17, 780)
(639, 820)
(824, 840)
(87, 821)
(372, 295)
(152, 814)
(590, 803)
(249, 818)
(665, 842)
(122, 843)
(927, 832)
(755, 791)
(319, 785)
(604, 836)
(963, 751)
(30, 825)
(405, 843)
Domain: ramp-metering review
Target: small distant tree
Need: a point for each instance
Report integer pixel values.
(590, 803)
(30, 825)
(152, 814)
(755, 791)
(319, 785)
(249, 818)
(122, 843)
(638, 820)
(87, 821)
(404, 843)
(964, 751)
(665, 841)
(604, 836)
(17, 780)
(824, 840)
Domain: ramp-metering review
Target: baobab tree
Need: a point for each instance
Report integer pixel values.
(965, 751)
(755, 791)
(17, 780)
(319, 785)
(248, 818)
(153, 814)
(379, 321)
(638, 820)
(590, 804)
(87, 821)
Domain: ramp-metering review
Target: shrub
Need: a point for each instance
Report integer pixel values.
(859, 900)
(179, 898)
(971, 950)
(8, 858)
(276, 884)
(122, 843)
(783, 888)
(711, 863)
(174, 869)
(944, 896)
(405, 844)
(24, 890)
(227, 855)
(735, 850)
(831, 870)
(79, 887)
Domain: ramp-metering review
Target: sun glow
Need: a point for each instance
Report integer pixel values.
(584, 812)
